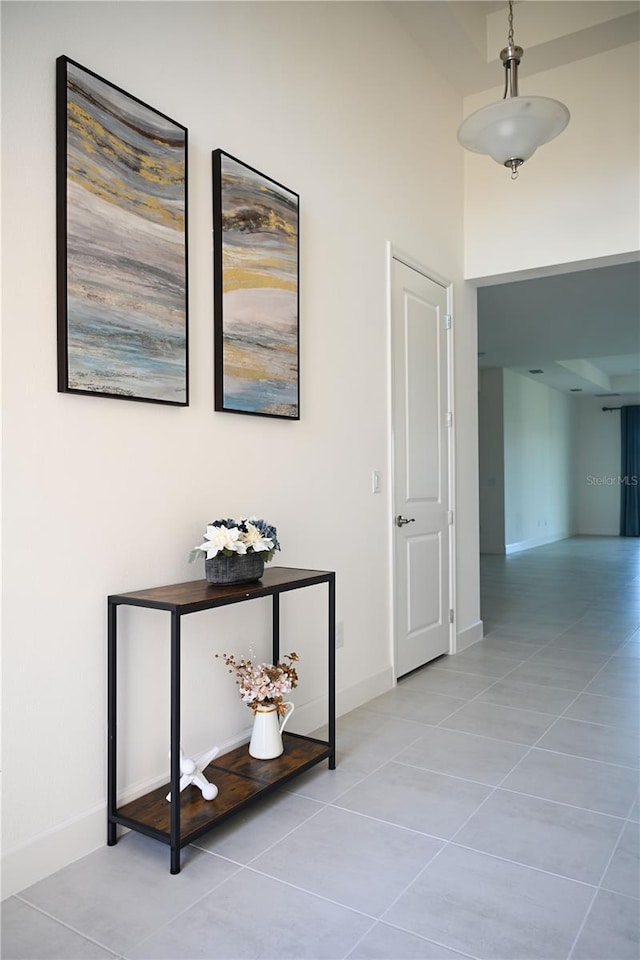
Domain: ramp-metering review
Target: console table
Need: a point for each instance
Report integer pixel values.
(239, 777)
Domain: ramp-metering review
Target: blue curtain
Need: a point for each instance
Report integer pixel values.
(630, 472)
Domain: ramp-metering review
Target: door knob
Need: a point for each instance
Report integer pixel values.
(400, 520)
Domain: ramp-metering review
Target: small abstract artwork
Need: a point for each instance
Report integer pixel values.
(122, 243)
(256, 292)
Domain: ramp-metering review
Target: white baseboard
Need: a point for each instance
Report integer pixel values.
(54, 849)
(361, 693)
(600, 533)
(312, 715)
(536, 542)
(50, 851)
(469, 636)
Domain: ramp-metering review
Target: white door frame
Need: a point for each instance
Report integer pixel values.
(394, 252)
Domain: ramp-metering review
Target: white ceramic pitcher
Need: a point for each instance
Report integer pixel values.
(266, 737)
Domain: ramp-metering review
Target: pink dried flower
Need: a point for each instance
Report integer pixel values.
(264, 683)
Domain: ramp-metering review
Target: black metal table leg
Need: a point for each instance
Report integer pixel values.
(332, 671)
(275, 628)
(112, 677)
(175, 743)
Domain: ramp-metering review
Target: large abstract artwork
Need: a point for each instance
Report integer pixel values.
(122, 243)
(256, 295)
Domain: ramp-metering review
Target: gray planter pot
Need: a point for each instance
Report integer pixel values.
(240, 568)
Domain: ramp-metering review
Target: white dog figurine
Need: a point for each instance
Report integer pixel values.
(191, 770)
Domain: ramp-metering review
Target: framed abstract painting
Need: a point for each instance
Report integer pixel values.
(256, 291)
(122, 243)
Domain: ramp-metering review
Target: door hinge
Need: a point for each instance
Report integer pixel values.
(448, 319)
(449, 419)
(451, 616)
(449, 517)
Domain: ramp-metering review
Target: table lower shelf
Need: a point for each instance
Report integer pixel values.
(240, 780)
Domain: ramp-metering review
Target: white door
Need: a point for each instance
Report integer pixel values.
(421, 467)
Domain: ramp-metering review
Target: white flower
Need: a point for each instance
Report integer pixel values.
(254, 539)
(221, 538)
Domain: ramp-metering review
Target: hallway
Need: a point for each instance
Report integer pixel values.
(485, 808)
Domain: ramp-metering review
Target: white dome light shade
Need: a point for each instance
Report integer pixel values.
(513, 129)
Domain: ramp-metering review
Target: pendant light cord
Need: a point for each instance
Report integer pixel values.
(511, 43)
(510, 46)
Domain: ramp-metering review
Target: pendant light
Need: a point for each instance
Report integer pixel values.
(511, 130)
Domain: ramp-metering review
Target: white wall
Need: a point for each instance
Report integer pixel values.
(549, 464)
(467, 533)
(539, 432)
(578, 197)
(597, 469)
(103, 496)
(491, 459)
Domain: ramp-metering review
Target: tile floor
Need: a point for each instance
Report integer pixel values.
(487, 808)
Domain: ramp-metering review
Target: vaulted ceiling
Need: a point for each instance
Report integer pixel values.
(582, 328)
(464, 37)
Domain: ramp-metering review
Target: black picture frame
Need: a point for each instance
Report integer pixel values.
(256, 271)
(122, 250)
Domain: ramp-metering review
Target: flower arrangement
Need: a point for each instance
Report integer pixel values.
(264, 684)
(240, 536)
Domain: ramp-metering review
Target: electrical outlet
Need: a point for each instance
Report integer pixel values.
(339, 635)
